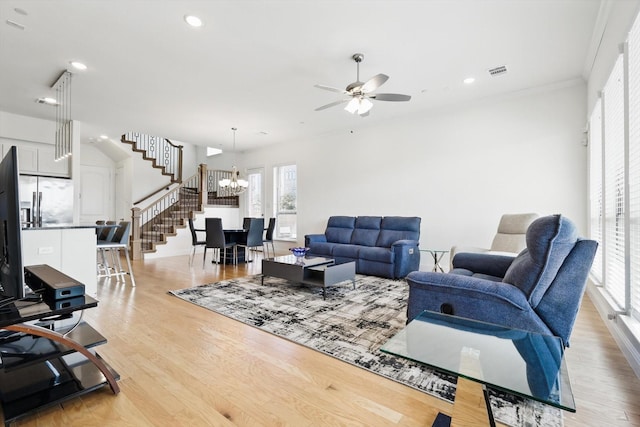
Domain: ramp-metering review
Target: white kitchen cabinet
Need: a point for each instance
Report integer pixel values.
(47, 165)
(71, 250)
(38, 159)
(27, 158)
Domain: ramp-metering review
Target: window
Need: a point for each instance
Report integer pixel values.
(285, 193)
(614, 183)
(614, 186)
(633, 83)
(595, 192)
(254, 206)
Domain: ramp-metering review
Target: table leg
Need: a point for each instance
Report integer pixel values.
(437, 257)
(471, 406)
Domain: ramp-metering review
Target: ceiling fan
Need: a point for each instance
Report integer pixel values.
(359, 94)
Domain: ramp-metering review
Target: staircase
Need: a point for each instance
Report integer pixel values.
(163, 215)
(165, 224)
(162, 153)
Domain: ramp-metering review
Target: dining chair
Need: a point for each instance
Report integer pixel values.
(194, 239)
(215, 239)
(253, 238)
(268, 239)
(245, 222)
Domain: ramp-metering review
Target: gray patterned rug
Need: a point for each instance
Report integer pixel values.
(350, 325)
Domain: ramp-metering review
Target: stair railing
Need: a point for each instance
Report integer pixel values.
(151, 223)
(163, 153)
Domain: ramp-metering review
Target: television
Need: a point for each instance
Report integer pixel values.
(12, 285)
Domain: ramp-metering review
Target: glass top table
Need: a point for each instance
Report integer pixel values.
(518, 362)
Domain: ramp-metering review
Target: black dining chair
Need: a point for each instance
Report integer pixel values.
(268, 239)
(245, 222)
(194, 239)
(253, 238)
(216, 240)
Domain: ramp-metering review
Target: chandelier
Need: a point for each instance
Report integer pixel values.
(235, 185)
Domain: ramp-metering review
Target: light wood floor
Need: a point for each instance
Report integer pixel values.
(182, 365)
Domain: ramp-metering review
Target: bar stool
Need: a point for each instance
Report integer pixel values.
(120, 241)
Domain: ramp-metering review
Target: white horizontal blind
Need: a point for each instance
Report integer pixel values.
(633, 76)
(595, 187)
(614, 184)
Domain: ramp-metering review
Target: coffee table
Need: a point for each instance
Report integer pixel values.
(313, 271)
(483, 354)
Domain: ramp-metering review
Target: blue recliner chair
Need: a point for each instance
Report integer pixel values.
(538, 291)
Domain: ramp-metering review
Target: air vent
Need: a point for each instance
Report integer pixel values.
(497, 71)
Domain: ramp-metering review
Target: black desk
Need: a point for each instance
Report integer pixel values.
(47, 360)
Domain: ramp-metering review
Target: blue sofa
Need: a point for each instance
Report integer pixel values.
(380, 246)
(538, 291)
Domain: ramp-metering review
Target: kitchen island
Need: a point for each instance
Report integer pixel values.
(70, 249)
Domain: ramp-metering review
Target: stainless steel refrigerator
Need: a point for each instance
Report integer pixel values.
(45, 201)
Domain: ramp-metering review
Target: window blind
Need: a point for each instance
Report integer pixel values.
(614, 184)
(595, 187)
(633, 78)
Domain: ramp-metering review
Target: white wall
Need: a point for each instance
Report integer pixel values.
(459, 169)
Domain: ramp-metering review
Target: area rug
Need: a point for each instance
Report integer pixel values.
(350, 325)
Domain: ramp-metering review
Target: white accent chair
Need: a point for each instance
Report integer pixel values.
(509, 240)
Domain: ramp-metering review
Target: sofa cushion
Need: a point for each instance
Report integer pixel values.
(339, 229)
(394, 228)
(346, 251)
(366, 231)
(323, 248)
(549, 241)
(373, 253)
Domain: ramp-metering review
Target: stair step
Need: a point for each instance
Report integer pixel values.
(163, 227)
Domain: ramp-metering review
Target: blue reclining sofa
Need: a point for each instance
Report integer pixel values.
(380, 246)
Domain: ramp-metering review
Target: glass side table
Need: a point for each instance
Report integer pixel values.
(437, 257)
(519, 362)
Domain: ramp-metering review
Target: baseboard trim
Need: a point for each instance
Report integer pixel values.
(624, 329)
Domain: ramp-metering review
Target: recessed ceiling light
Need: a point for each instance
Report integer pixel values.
(469, 80)
(47, 100)
(78, 65)
(192, 20)
(104, 137)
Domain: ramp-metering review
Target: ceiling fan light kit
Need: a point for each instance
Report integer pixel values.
(358, 94)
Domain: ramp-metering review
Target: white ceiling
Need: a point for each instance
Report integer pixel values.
(254, 63)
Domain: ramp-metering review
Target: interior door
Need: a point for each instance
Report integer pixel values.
(96, 194)
(255, 193)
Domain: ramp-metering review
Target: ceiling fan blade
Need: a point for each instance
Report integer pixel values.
(333, 104)
(329, 88)
(390, 97)
(374, 83)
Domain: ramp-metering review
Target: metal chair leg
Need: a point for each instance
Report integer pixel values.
(126, 254)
